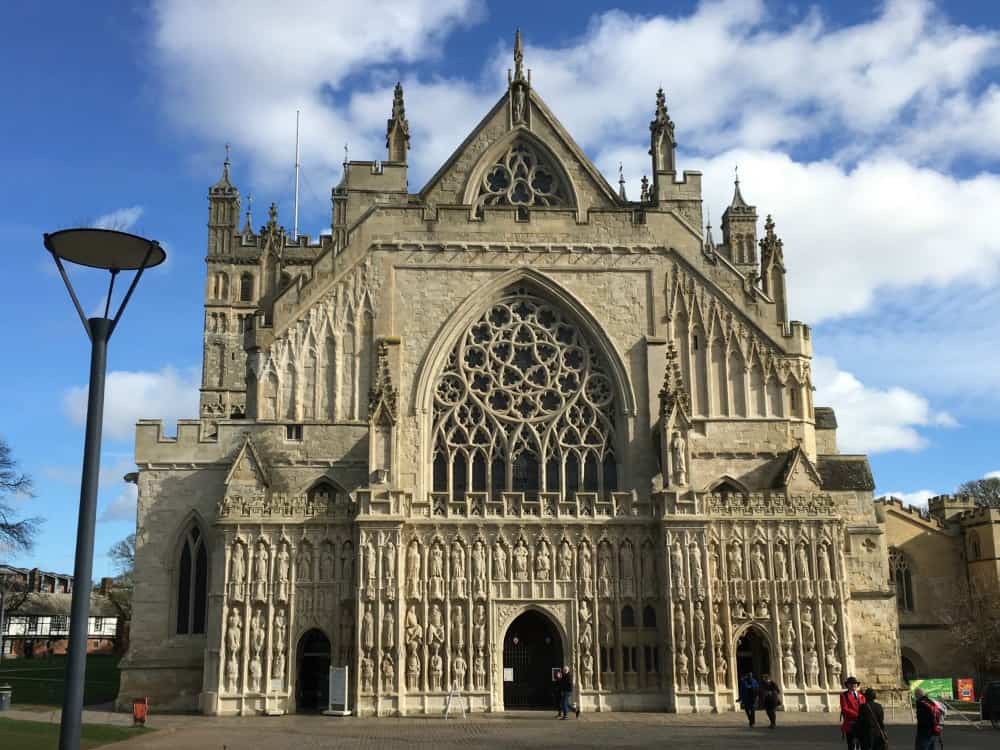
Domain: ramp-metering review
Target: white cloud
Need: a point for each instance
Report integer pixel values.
(992, 475)
(874, 420)
(917, 499)
(168, 394)
(122, 508)
(122, 219)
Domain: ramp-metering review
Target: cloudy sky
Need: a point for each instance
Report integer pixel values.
(871, 133)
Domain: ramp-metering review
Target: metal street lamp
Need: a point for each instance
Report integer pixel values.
(113, 252)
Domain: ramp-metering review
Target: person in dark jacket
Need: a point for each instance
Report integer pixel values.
(749, 688)
(557, 691)
(566, 692)
(770, 698)
(870, 726)
(928, 721)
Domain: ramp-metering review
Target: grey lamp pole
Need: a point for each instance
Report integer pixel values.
(114, 252)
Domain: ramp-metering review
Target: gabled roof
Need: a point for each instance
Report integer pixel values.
(248, 453)
(844, 472)
(798, 460)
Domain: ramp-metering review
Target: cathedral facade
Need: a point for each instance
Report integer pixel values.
(513, 421)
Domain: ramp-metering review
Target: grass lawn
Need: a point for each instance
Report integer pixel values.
(39, 681)
(37, 735)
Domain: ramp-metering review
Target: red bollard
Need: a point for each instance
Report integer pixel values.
(140, 710)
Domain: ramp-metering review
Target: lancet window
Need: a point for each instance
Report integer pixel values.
(899, 569)
(522, 177)
(524, 404)
(192, 583)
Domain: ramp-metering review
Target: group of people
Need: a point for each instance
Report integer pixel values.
(862, 716)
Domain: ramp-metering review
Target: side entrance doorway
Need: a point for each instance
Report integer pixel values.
(312, 687)
(753, 654)
(532, 651)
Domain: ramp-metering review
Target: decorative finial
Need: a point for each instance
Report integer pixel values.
(621, 182)
(227, 155)
(518, 57)
(345, 154)
(248, 227)
(272, 215)
(644, 195)
(738, 201)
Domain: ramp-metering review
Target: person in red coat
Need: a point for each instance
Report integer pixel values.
(851, 701)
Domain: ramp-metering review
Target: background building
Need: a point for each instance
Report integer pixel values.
(512, 421)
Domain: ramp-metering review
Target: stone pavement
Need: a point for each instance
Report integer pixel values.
(522, 730)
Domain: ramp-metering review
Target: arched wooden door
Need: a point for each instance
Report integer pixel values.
(312, 684)
(532, 649)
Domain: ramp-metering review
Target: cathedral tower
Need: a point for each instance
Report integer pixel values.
(739, 232)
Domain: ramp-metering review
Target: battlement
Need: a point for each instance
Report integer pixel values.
(375, 176)
(915, 513)
(979, 514)
(948, 507)
(688, 188)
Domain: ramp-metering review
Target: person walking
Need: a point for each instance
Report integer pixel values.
(749, 687)
(870, 726)
(557, 691)
(566, 691)
(770, 698)
(928, 721)
(850, 707)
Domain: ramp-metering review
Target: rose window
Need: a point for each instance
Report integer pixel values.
(521, 178)
(524, 404)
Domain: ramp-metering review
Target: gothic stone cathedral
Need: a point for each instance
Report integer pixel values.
(509, 422)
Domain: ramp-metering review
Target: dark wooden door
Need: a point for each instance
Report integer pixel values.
(532, 649)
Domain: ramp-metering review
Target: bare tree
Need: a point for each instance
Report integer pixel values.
(13, 592)
(986, 492)
(15, 534)
(122, 554)
(973, 621)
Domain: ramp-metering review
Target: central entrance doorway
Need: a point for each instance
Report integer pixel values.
(312, 689)
(753, 654)
(532, 650)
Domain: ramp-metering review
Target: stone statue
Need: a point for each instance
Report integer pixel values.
(587, 669)
(519, 98)
(806, 623)
(304, 564)
(627, 561)
(699, 627)
(368, 629)
(367, 674)
(833, 665)
(435, 630)
(279, 627)
(232, 673)
(543, 563)
(789, 669)
(780, 565)
(370, 563)
(586, 636)
(478, 562)
(824, 563)
(388, 629)
(714, 568)
(697, 578)
(437, 572)
(437, 671)
(326, 563)
(677, 564)
(682, 670)
(607, 632)
(499, 562)
(234, 632)
(479, 670)
(678, 459)
(413, 571)
(735, 561)
(565, 569)
(586, 570)
(680, 627)
(279, 663)
(802, 562)
(257, 632)
(718, 634)
(458, 670)
(521, 562)
(388, 674)
(260, 572)
(238, 571)
(759, 564)
(458, 584)
(413, 671)
(389, 563)
(830, 633)
(585, 613)
(255, 671)
(479, 627)
(812, 668)
(788, 633)
(701, 668)
(604, 574)
(721, 666)
(457, 628)
(412, 631)
(283, 569)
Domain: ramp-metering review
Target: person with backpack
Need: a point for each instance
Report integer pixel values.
(851, 702)
(870, 726)
(770, 698)
(928, 721)
(749, 687)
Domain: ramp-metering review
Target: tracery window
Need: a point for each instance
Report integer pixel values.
(192, 583)
(899, 571)
(524, 404)
(522, 177)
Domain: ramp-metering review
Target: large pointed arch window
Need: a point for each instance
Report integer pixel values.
(522, 177)
(899, 569)
(524, 404)
(192, 583)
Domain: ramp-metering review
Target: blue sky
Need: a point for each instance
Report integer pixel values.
(872, 134)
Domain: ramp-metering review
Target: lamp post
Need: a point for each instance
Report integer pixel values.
(114, 252)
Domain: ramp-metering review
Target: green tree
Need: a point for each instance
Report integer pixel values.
(16, 534)
(986, 492)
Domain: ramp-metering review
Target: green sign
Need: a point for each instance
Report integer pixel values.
(940, 688)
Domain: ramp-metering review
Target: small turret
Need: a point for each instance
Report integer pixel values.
(621, 183)
(739, 232)
(223, 212)
(772, 269)
(397, 132)
(662, 143)
(518, 84)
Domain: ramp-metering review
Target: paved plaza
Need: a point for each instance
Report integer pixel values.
(522, 730)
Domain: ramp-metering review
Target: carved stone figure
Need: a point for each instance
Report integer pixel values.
(565, 568)
(435, 630)
(232, 673)
(802, 562)
(780, 563)
(457, 627)
(347, 565)
(699, 627)
(413, 671)
(260, 572)
(585, 613)
(721, 667)
(279, 627)
(834, 666)
(255, 672)
(735, 561)
(586, 570)
(586, 636)
(458, 670)
(758, 563)
(678, 458)
(234, 631)
(587, 669)
(370, 562)
(304, 563)
(697, 579)
(806, 623)
(478, 563)
(627, 561)
(458, 581)
(604, 571)
(282, 569)
(788, 633)
(789, 669)
(701, 668)
(680, 626)
(479, 627)
(677, 565)
(437, 572)
(499, 562)
(607, 625)
(543, 563)
(278, 672)
(824, 563)
(388, 629)
(521, 561)
(388, 674)
(368, 629)
(389, 564)
(326, 563)
(812, 668)
(413, 633)
(518, 109)
(367, 674)
(437, 672)
(682, 670)
(237, 572)
(830, 633)
(714, 568)
(413, 571)
(257, 632)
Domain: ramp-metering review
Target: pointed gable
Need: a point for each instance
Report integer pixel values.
(524, 122)
(799, 473)
(247, 468)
